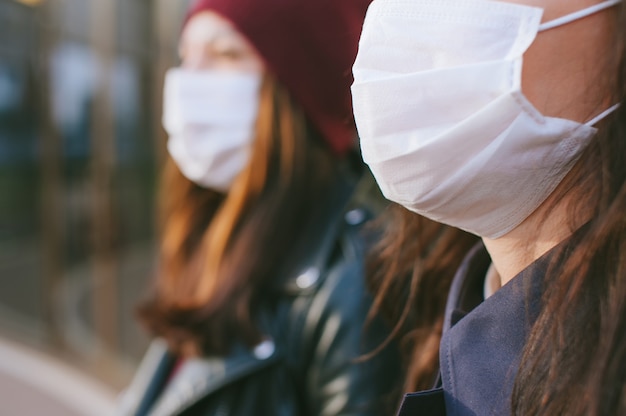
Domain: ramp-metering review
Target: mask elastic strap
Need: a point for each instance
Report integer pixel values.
(578, 15)
(601, 116)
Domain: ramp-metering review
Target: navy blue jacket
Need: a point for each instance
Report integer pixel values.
(482, 341)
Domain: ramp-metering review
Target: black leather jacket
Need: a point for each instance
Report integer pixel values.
(307, 364)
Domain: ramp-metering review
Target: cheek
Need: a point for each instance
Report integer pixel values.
(244, 64)
(567, 70)
(254, 64)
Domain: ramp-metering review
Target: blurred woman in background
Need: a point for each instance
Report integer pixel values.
(260, 304)
(506, 119)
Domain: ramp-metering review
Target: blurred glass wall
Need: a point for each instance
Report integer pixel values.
(80, 142)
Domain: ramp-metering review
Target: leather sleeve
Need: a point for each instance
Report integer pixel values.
(337, 335)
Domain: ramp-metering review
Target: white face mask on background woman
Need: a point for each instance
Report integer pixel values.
(443, 123)
(210, 118)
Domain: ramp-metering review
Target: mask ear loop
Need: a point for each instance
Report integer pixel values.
(602, 116)
(578, 15)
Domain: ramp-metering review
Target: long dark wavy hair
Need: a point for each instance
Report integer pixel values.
(574, 361)
(410, 270)
(220, 254)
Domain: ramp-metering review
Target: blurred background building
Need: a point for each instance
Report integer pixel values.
(80, 140)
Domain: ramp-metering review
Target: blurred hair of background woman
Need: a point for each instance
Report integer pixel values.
(260, 306)
(505, 119)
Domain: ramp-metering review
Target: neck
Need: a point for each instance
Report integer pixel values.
(549, 225)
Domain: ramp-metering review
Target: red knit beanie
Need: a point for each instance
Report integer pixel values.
(309, 45)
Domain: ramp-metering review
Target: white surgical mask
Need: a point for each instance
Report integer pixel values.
(210, 117)
(443, 123)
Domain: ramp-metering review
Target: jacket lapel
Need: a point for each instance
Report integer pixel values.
(199, 377)
(148, 380)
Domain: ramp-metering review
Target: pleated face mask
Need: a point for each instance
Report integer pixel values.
(210, 117)
(443, 123)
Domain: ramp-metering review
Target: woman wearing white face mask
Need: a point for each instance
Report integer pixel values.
(260, 302)
(505, 119)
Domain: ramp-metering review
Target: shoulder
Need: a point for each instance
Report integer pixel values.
(329, 300)
(341, 264)
(329, 330)
(343, 282)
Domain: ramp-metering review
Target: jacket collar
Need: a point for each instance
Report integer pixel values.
(483, 340)
(195, 379)
(154, 368)
(200, 377)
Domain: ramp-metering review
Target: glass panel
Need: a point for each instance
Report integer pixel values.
(80, 140)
